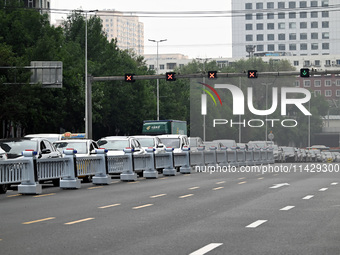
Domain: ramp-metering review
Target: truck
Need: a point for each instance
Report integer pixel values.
(164, 127)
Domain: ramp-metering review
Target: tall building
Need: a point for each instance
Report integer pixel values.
(285, 27)
(128, 31)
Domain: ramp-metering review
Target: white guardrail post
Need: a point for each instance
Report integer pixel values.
(186, 168)
(102, 176)
(70, 179)
(150, 172)
(128, 173)
(169, 170)
(31, 186)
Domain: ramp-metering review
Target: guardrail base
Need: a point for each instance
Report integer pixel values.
(128, 177)
(169, 172)
(101, 180)
(30, 189)
(185, 170)
(150, 174)
(70, 184)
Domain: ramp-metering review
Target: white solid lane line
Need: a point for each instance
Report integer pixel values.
(287, 208)
(256, 224)
(206, 249)
(308, 197)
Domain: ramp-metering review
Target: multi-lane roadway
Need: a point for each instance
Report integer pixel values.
(200, 213)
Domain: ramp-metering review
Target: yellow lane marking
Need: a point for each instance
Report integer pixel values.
(35, 221)
(141, 206)
(115, 181)
(163, 178)
(78, 221)
(218, 188)
(160, 195)
(16, 195)
(97, 187)
(45, 195)
(260, 178)
(133, 182)
(189, 195)
(194, 187)
(107, 206)
(242, 182)
(220, 182)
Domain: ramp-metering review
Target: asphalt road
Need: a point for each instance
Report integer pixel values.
(200, 213)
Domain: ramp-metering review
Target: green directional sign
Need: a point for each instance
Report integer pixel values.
(304, 72)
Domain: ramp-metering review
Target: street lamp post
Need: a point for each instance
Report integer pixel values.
(157, 73)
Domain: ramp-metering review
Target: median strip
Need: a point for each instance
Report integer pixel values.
(36, 221)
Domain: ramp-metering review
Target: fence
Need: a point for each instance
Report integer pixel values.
(29, 171)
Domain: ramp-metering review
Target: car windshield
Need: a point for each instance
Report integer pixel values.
(81, 148)
(113, 145)
(14, 148)
(146, 142)
(171, 142)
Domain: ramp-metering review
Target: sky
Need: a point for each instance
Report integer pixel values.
(198, 37)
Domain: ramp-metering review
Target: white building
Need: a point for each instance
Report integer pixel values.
(297, 28)
(128, 31)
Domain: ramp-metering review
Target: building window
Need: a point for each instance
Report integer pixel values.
(296, 63)
(259, 47)
(314, 36)
(152, 67)
(281, 15)
(338, 62)
(259, 37)
(303, 46)
(314, 24)
(292, 5)
(249, 26)
(306, 83)
(170, 66)
(303, 4)
(325, 35)
(327, 63)
(282, 37)
(314, 3)
(317, 63)
(328, 83)
(337, 82)
(281, 25)
(249, 6)
(317, 83)
(270, 15)
(270, 26)
(297, 83)
(292, 36)
(325, 46)
(259, 26)
(292, 25)
(259, 6)
(324, 3)
(325, 24)
(292, 15)
(249, 16)
(303, 36)
(271, 47)
(270, 5)
(292, 46)
(314, 14)
(249, 38)
(282, 47)
(317, 92)
(161, 67)
(325, 14)
(337, 93)
(303, 15)
(270, 37)
(303, 24)
(281, 5)
(328, 93)
(314, 46)
(259, 15)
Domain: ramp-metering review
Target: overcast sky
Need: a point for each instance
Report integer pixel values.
(199, 37)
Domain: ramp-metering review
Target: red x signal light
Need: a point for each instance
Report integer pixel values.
(212, 74)
(252, 74)
(129, 77)
(170, 76)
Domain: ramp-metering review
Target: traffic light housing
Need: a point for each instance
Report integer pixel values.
(170, 76)
(304, 72)
(129, 77)
(212, 74)
(252, 74)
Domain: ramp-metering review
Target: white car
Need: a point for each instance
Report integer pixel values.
(175, 141)
(84, 147)
(148, 141)
(50, 137)
(3, 187)
(116, 145)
